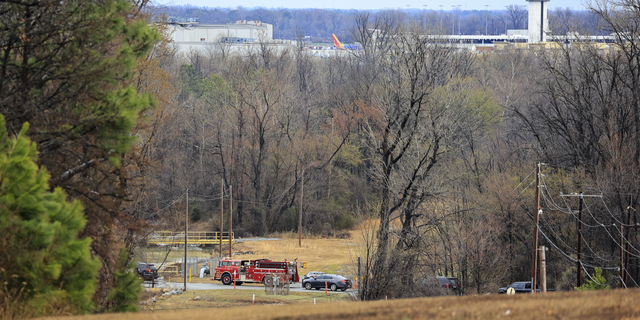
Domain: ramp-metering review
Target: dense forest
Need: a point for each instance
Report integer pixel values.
(434, 152)
(319, 24)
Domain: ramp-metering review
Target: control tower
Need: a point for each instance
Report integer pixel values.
(538, 20)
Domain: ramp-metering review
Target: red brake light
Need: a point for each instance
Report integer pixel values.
(343, 281)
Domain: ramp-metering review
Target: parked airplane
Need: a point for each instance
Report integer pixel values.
(339, 44)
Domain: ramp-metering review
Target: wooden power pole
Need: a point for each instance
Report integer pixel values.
(579, 262)
(300, 215)
(626, 261)
(230, 220)
(186, 232)
(543, 269)
(581, 197)
(536, 215)
(221, 213)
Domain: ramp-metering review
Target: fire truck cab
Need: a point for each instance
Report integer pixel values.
(254, 271)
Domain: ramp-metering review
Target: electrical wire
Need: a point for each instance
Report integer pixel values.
(525, 178)
(552, 206)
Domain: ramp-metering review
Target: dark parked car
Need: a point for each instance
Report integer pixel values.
(521, 287)
(148, 271)
(333, 282)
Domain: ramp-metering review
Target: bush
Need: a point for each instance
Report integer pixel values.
(598, 282)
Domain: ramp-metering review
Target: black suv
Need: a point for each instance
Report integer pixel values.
(148, 271)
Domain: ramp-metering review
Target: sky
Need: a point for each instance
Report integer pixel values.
(374, 4)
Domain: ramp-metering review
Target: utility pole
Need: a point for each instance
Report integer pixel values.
(626, 263)
(359, 281)
(221, 212)
(579, 227)
(330, 162)
(536, 215)
(622, 255)
(186, 232)
(543, 269)
(230, 220)
(579, 262)
(300, 215)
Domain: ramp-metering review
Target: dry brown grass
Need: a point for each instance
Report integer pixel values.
(327, 255)
(606, 304)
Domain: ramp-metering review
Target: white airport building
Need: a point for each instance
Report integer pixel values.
(193, 35)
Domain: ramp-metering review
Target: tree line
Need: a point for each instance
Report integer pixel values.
(431, 147)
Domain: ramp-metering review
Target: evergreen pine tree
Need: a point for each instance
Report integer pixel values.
(67, 68)
(126, 294)
(42, 257)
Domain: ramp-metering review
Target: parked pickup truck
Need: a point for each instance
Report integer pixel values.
(521, 287)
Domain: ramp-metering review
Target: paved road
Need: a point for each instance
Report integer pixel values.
(216, 285)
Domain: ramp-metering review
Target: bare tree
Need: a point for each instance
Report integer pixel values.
(517, 15)
(408, 132)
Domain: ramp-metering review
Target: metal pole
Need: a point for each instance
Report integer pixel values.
(300, 215)
(186, 232)
(535, 232)
(221, 212)
(453, 21)
(579, 262)
(541, 21)
(230, 219)
(486, 19)
(459, 19)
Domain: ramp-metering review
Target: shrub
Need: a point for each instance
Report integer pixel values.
(597, 282)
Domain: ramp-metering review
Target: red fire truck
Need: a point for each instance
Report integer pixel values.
(254, 270)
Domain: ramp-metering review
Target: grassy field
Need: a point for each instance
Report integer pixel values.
(609, 304)
(193, 299)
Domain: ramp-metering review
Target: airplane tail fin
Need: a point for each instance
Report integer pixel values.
(337, 42)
